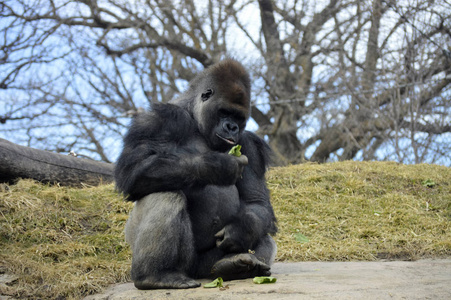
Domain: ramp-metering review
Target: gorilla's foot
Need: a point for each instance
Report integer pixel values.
(240, 266)
(167, 281)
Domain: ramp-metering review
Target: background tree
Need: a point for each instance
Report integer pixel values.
(333, 80)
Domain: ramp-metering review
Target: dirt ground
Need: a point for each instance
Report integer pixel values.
(423, 279)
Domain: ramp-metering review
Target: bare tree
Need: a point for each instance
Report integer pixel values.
(333, 80)
(342, 64)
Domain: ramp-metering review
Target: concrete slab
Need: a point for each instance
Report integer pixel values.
(423, 279)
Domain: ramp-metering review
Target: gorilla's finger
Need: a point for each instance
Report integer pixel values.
(242, 160)
(220, 234)
(224, 244)
(263, 266)
(248, 259)
(245, 259)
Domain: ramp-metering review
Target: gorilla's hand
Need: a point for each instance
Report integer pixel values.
(242, 162)
(230, 240)
(219, 168)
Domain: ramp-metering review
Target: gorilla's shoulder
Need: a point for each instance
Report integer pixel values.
(257, 150)
(162, 122)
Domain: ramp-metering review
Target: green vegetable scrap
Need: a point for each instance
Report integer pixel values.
(299, 237)
(215, 283)
(235, 151)
(264, 279)
(428, 183)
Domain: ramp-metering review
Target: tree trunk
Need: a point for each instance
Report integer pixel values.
(283, 140)
(24, 162)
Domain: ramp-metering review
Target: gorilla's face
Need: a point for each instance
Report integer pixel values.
(221, 97)
(221, 116)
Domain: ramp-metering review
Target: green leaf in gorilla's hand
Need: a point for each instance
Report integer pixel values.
(235, 151)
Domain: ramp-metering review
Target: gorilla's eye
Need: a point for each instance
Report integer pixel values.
(207, 94)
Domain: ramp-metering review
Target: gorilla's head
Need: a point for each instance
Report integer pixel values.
(219, 101)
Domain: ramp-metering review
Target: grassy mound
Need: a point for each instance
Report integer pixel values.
(62, 242)
(362, 211)
(67, 243)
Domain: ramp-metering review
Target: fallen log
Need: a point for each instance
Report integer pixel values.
(24, 162)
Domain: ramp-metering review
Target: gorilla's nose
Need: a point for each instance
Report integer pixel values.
(230, 127)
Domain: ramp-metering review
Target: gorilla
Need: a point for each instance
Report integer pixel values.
(199, 212)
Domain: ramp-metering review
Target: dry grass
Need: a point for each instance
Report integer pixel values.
(63, 243)
(66, 243)
(362, 211)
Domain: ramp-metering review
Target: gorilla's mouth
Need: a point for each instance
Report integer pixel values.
(228, 140)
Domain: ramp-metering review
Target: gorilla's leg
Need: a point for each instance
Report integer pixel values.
(159, 233)
(245, 265)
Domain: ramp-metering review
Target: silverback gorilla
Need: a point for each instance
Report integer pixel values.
(199, 212)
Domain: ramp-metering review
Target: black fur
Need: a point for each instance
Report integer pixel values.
(197, 206)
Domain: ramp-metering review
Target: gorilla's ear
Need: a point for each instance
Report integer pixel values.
(207, 94)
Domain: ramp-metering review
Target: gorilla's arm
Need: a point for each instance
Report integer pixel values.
(256, 217)
(160, 154)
